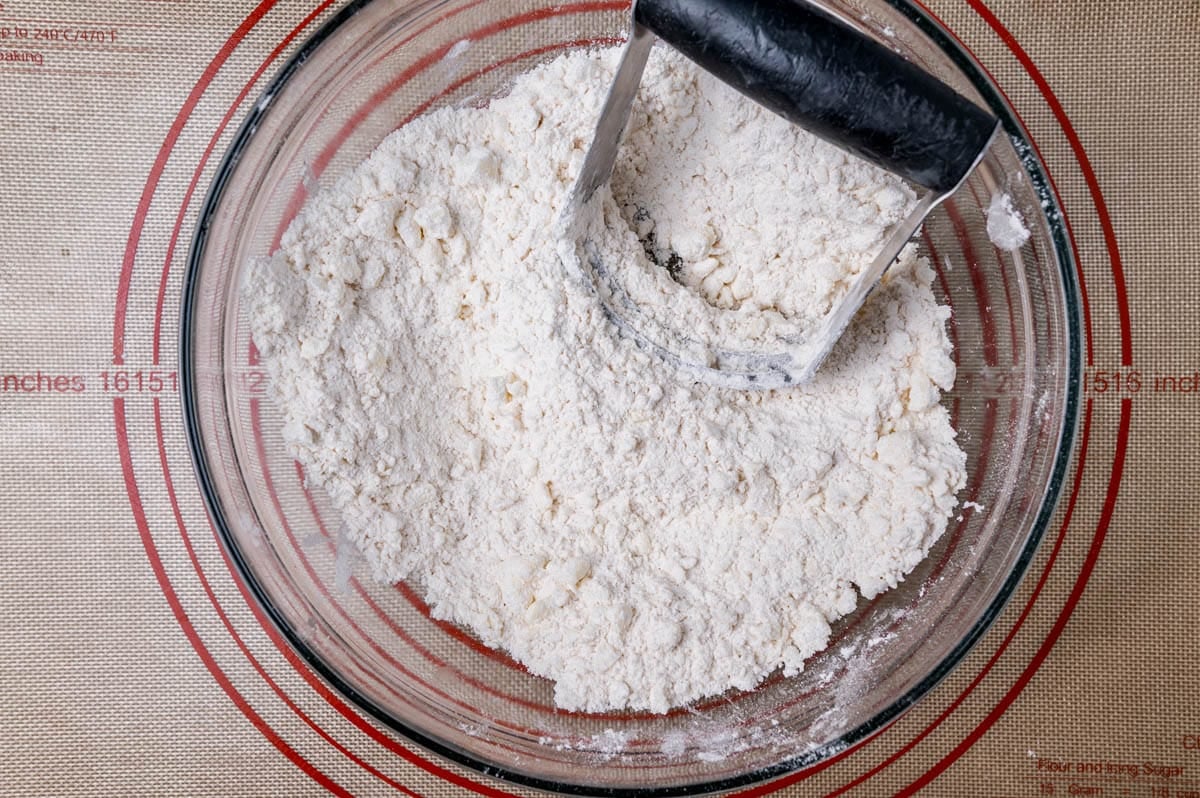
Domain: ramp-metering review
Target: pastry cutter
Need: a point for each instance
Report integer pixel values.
(817, 71)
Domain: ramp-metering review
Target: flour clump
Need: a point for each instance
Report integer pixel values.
(1005, 227)
(488, 435)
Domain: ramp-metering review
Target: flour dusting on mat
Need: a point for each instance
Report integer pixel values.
(486, 434)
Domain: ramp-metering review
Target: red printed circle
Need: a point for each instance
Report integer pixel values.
(223, 680)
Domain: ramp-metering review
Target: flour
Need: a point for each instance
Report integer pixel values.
(716, 215)
(1005, 227)
(487, 435)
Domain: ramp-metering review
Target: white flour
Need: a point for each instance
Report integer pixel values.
(731, 198)
(640, 540)
(1005, 227)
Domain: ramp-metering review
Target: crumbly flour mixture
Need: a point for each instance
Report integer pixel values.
(641, 540)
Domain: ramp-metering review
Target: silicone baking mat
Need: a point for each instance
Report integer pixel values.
(131, 662)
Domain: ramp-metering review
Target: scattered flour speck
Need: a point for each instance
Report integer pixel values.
(1005, 226)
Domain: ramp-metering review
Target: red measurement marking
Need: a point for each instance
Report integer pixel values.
(277, 51)
(1012, 633)
(135, 500)
(160, 165)
(1124, 383)
(1126, 406)
(181, 616)
(1064, 615)
(289, 654)
(1117, 467)
(207, 587)
(139, 381)
(42, 382)
(1089, 176)
(1177, 383)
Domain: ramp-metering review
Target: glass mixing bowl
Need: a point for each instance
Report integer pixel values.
(1015, 330)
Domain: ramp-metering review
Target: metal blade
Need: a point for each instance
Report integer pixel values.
(598, 165)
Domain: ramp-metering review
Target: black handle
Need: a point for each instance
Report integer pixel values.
(830, 79)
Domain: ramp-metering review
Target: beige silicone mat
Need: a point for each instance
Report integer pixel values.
(130, 663)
